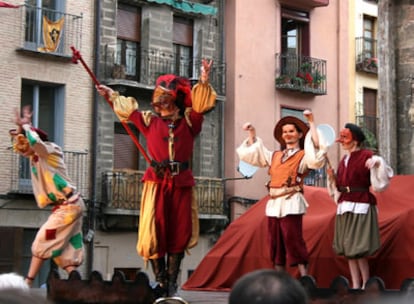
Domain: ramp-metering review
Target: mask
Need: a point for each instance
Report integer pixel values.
(345, 137)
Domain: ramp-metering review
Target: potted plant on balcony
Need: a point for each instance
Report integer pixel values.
(283, 80)
(318, 78)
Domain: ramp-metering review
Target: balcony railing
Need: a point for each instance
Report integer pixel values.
(369, 125)
(49, 31)
(366, 55)
(76, 165)
(300, 73)
(151, 63)
(121, 193)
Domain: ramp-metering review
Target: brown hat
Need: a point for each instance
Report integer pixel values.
(290, 120)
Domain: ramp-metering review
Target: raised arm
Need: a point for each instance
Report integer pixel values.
(203, 94)
(252, 132)
(312, 128)
(122, 106)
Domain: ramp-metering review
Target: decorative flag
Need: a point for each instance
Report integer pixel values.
(4, 4)
(52, 31)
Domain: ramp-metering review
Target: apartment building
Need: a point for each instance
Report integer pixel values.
(36, 70)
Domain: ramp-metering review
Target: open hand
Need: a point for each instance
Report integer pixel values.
(205, 69)
(22, 118)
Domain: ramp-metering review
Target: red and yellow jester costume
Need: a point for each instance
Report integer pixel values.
(168, 216)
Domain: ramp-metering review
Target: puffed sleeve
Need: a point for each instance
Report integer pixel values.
(256, 154)
(315, 158)
(203, 97)
(380, 175)
(123, 106)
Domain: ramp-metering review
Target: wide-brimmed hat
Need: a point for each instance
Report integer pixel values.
(290, 120)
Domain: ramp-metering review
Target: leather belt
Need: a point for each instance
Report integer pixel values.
(349, 189)
(174, 167)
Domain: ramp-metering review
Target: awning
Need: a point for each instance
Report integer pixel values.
(189, 7)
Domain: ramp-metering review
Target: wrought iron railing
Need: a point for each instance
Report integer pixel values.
(366, 55)
(300, 73)
(369, 125)
(122, 190)
(64, 30)
(151, 63)
(76, 165)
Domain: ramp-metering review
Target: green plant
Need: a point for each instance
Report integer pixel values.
(283, 79)
(318, 77)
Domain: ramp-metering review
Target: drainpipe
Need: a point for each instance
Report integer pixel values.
(94, 203)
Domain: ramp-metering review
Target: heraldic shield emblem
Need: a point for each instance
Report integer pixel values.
(52, 32)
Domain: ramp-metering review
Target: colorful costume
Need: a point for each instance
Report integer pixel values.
(356, 224)
(60, 237)
(286, 205)
(168, 215)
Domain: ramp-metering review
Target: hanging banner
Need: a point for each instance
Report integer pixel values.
(52, 31)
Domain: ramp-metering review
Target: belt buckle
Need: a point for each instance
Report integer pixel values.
(348, 190)
(174, 167)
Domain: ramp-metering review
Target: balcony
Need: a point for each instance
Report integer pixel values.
(146, 65)
(121, 194)
(300, 73)
(366, 55)
(50, 32)
(77, 169)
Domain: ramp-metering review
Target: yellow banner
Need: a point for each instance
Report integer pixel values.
(52, 30)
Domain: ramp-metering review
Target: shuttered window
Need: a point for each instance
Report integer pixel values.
(183, 31)
(125, 152)
(129, 23)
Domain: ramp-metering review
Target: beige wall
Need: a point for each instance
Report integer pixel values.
(252, 41)
(16, 66)
(118, 250)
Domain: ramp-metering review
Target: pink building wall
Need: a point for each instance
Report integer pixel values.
(252, 40)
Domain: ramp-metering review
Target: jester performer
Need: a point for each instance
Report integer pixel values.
(168, 223)
(60, 237)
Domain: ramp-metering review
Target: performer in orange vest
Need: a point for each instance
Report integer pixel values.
(168, 223)
(287, 169)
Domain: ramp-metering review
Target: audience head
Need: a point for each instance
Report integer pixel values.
(267, 286)
(12, 280)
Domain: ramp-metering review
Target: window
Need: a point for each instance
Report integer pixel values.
(128, 42)
(47, 103)
(295, 40)
(38, 14)
(295, 32)
(183, 46)
(126, 154)
(369, 37)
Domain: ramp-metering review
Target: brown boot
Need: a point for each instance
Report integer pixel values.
(158, 267)
(173, 269)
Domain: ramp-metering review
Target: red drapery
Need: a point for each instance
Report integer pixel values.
(243, 247)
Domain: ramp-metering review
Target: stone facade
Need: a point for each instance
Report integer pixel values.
(396, 78)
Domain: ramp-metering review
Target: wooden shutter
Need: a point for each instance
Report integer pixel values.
(129, 23)
(183, 31)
